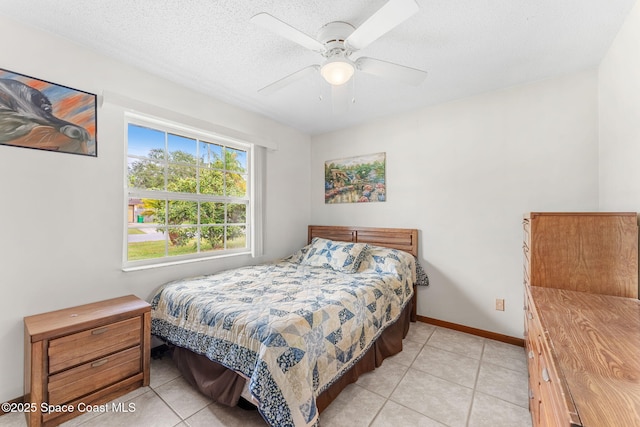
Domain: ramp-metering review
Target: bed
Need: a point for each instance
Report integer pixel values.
(294, 333)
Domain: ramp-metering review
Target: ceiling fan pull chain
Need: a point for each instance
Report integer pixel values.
(353, 90)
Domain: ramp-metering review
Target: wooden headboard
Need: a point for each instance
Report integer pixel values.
(405, 239)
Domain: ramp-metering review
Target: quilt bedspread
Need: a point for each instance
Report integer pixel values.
(291, 329)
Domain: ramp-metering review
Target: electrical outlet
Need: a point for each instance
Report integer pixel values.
(499, 304)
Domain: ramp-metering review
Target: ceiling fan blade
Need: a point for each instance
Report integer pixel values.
(285, 81)
(391, 71)
(285, 30)
(384, 20)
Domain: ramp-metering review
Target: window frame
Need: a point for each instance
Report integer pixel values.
(169, 127)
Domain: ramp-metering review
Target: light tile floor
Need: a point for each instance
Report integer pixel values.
(441, 378)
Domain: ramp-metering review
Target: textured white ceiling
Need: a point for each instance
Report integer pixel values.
(467, 47)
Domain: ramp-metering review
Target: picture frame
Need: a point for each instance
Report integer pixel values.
(358, 179)
(42, 115)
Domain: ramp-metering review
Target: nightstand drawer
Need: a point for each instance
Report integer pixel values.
(93, 344)
(91, 354)
(83, 379)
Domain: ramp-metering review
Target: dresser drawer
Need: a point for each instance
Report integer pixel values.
(554, 412)
(531, 323)
(83, 379)
(93, 344)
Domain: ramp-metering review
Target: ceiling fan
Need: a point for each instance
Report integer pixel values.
(336, 42)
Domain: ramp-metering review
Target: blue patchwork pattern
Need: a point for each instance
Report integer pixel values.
(345, 257)
(385, 261)
(302, 329)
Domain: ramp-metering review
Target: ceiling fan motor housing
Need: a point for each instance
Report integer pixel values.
(333, 35)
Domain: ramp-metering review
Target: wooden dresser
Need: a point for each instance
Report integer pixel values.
(85, 355)
(590, 252)
(582, 318)
(584, 358)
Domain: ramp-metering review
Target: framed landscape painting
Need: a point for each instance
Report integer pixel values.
(46, 116)
(356, 179)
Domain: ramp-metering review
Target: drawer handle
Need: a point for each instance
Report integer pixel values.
(99, 331)
(529, 315)
(530, 354)
(99, 362)
(545, 375)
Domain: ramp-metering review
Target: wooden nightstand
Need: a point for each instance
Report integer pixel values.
(85, 355)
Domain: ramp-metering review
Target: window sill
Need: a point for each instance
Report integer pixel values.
(128, 268)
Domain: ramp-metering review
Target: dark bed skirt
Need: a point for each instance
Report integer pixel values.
(225, 386)
(387, 344)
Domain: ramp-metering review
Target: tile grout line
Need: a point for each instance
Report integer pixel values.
(453, 353)
(394, 388)
(500, 398)
(170, 407)
(486, 348)
(475, 383)
(423, 345)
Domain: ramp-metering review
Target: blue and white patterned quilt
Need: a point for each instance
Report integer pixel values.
(290, 328)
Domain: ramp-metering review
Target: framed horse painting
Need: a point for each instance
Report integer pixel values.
(42, 115)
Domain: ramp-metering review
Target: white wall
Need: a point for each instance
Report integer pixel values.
(619, 113)
(464, 173)
(62, 215)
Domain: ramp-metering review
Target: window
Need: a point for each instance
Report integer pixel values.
(188, 194)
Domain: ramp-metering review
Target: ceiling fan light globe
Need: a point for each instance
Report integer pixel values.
(337, 72)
